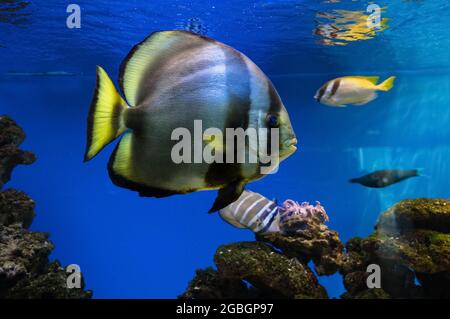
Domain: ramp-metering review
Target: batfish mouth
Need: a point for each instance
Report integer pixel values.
(292, 142)
(291, 148)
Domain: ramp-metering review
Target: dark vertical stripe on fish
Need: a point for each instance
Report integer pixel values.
(274, 108)
(275, 100)
(336, 85)
(238, 86)
(321, 93)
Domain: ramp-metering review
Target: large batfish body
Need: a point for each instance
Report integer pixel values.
(170, 80)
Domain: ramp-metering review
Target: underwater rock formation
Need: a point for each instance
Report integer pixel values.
(16, 208)
(209, 284)
(268, 274)
(276, 265)
(411, 244)
(11, 136)
(307, 238)
(25, 270)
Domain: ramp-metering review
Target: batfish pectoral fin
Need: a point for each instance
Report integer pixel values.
(227, 195)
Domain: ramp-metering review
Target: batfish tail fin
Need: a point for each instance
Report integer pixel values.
(387, 85)
(105, 120)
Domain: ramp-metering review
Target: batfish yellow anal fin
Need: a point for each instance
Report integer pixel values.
(121, 162)
(121, 168)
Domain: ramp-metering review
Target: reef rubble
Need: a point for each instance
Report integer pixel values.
(410, 244)
(25, 269)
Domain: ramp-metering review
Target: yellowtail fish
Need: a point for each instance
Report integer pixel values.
(171, 80)
(355, 90)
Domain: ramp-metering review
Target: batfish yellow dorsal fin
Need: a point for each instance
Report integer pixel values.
(373, 79)
(146, 57)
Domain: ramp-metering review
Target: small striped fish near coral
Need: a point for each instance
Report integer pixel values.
(261, 215)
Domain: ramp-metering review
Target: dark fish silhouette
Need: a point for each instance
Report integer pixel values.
(384, 178)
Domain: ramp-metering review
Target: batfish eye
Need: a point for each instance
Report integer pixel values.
(272, 120)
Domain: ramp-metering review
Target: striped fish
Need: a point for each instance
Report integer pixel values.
(355, 90)
(252, 211)
(170, 80)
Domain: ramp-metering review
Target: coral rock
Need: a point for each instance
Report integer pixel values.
(22, 254)
(313, 241)
(411, 214)
(375, 293)
(25, 271)
(411, 245)
(11, 136)
(16, 208)
(208, 284)
(411, 240)
(271, 273)
(50, 285)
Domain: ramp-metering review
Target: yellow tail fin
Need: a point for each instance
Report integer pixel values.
(387, 85)
(105, 120)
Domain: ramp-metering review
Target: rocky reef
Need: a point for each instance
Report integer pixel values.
(11, 136)
(276, 265)
(410, 244)
(25, 269)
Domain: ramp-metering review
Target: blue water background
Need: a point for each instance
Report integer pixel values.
(132, 247)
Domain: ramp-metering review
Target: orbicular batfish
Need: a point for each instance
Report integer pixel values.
(170, 81)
